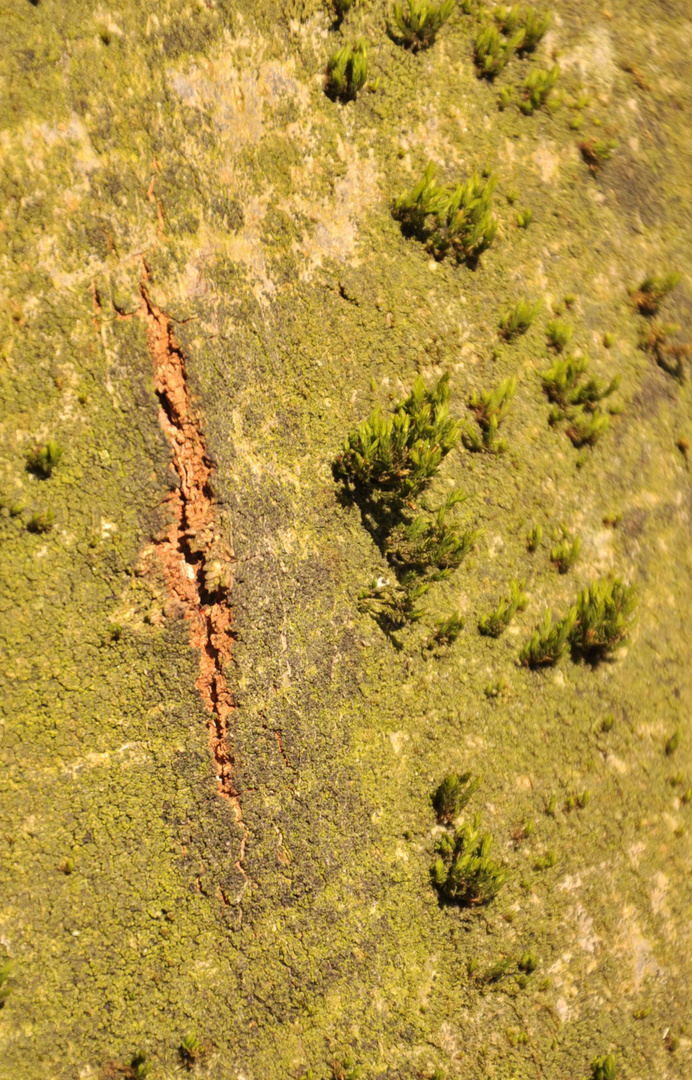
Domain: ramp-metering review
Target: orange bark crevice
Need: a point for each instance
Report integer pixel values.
(196, 559)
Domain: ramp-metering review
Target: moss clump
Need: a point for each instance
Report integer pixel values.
(603, 618)
(536, 89)
(417, 23)
(453, 794)
(41, 522)
(518, 319)
(549, 641)
(426, 545)
(398, 455)
(559, 334)
(668, 355)
(464, 872)
(41, 460)
(489, 409)
(596, 152)
(139, 1067)
(190, 1050)
(563, 384)
(673, 742)
(394, 603)
(386, 462)
(446, 632)
(491, 51)
(578, 401)
(347, 70)
(566, 552)
(533, 27)
(449, 219)
(5, 984)
(603, 1068)
(534, 538)
(512, 30)
(496, 622)
(344, 1069)
(652, 292)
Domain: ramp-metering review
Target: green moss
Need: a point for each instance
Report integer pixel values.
(456, 220)
(496, 622)
(489, 409)
(347, 70)
(464, 872)
(418, 22)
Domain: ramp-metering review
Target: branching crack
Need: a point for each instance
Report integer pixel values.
(197, 560)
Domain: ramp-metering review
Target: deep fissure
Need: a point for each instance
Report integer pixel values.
(191, 548)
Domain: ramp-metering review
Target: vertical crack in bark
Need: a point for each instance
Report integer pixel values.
(196, 559)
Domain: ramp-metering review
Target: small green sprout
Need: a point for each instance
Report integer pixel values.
(399, 455)
(559, 334)
(537, 87)
(453, 794)
(528, 962)
(607, 723)
(673, 742)
(547, 643)
(551, 806)
(495, 688)
(603, 1068)
(603, 618)
(418, 22)
(518, 319)
(545, 862)
(41, 522)
(651, 293)
(565, 554)
(66, 866)
(464, 872)
(140, 1067)
(596, 152)
(190, 1050)
(534, 538)
(498, 970)
(492, 51)
(533, 30)
(344, 1069)
(494, 624)
(489, 409)
(504, 98)
(43, 459)
(449, 219)
(608, 340)
(446, 632)
(347, 70)
(585, 429)
(5, 977)
(524, 218)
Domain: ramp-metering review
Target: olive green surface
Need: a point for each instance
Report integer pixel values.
(197, 139)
